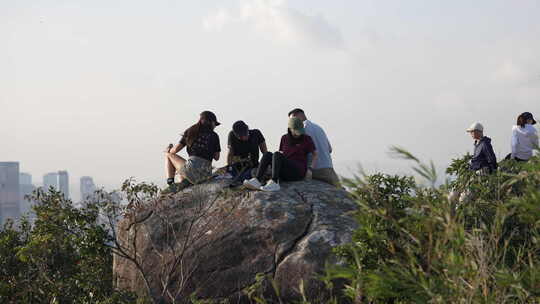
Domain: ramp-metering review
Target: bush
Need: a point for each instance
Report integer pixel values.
(413, 245)
(62, 258)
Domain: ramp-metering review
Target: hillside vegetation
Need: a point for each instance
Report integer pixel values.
(413, 244)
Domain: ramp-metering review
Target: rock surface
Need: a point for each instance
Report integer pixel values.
(211, 242)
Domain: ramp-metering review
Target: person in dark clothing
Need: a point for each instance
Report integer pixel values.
(290, 163)
(484, 159)
(483, 162)
(244, 146)
(202, 147)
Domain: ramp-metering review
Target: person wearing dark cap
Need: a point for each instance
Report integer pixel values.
(524, 137)
(244, 146)
(290, 163)
(202, 145)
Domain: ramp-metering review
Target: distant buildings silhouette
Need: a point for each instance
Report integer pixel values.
(9, 191)
(87, 188)
(16, 187)
(50, 180)
(25, 189)
(63, 183)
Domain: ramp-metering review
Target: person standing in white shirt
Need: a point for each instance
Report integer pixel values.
(524, 137)
(323, 169)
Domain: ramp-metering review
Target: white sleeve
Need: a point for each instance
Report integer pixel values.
(327, 140)
(534, 137)
(514, 142)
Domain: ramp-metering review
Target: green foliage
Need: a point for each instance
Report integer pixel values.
(414, 245)
(255, 292)
(62, 258)
(428, 172)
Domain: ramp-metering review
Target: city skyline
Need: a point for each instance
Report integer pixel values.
(16, 186)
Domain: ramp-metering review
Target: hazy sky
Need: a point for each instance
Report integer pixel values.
(100, 87)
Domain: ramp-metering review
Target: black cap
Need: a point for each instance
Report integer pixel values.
(527, 115)
(210, 117)
(240, 128)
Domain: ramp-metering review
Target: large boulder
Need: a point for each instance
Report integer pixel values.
(212, 242)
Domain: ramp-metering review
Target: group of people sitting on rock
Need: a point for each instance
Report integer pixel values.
(524, 141)
(304, 152)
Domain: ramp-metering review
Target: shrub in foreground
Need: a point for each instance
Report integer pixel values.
(62, 258)
(413, 245)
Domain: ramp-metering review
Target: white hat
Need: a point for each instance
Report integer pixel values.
(476, 127)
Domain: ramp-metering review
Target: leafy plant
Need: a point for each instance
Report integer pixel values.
(413, 245)
(62, 258)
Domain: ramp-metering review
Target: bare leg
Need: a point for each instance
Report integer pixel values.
(173, 162)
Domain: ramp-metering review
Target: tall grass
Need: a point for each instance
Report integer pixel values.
(414, 245)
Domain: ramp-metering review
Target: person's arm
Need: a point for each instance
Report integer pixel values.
(263, 147)
(490, 156)
(261, 140)
(177, 148)
(321, 132)
(314, 157)
(514, 142)
(327, 140)
(312, 161)
(217, 147)
(534, 137)
(230, 154)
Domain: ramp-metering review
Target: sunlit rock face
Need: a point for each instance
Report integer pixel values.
(212, 242)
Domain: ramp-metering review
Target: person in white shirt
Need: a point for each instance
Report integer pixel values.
(524, 137)
(323, 169)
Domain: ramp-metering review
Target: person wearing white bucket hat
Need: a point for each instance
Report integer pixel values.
(484, 159)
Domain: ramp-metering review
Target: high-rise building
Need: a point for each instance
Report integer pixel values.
(9, 191)
(25, 178)
(25, 190)
(50, 180)
(87, 188)
(63, 183)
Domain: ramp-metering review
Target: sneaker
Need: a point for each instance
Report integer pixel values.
(252, 184)
(271, 186)
(177, 187)
(171, 188)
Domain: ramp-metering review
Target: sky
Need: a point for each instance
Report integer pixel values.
(99, 88)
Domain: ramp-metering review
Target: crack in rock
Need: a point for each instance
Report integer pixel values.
(307, 229)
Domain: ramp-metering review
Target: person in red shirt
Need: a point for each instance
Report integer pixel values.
(290, 163)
